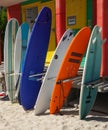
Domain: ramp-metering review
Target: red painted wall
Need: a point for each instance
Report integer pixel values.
(60, 18)
(14, 12)
(102, 21)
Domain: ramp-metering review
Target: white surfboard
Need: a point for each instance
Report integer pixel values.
(9, 43)
(44, 96)
(20, 50)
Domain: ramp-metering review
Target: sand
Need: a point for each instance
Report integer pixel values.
(14, 117)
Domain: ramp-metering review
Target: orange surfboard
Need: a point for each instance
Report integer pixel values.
(69, 68)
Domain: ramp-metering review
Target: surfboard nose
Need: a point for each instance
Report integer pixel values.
(46, 15)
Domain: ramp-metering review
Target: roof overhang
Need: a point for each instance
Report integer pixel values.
(10, 2)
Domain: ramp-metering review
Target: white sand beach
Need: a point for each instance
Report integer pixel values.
(13, 117)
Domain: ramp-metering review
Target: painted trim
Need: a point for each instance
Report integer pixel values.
(33, 1)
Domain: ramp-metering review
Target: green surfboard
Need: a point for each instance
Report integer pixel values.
(91, 73)
(9, 43)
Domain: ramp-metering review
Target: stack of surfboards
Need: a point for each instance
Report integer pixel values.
(24, 62)
(57, 84)
(15, 44)
(63, 67)
(44, 96)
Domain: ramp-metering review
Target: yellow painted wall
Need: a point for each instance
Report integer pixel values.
(76, 13)
(39, 5)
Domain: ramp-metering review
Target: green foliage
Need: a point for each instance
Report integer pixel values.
(3, 20)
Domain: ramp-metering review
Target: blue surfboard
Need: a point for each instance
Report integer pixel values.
(25, 37)
(91, 73)
(35, 59)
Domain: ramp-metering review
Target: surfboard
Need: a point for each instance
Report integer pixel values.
(21, 41)
(68, 69)
(35, 59)
(9, 43)
(91, 73)
(43, 100)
